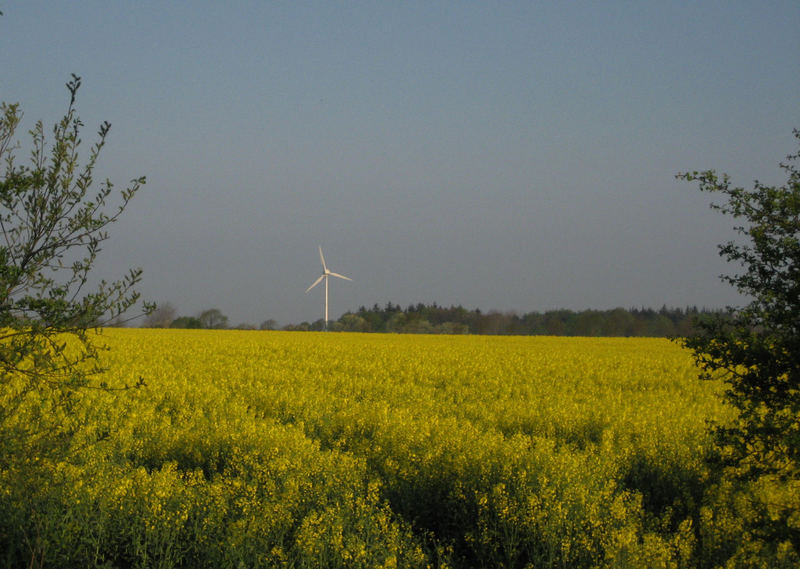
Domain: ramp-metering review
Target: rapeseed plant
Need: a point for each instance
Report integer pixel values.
(271, 449)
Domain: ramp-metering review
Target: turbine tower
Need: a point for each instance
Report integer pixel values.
(324, 276)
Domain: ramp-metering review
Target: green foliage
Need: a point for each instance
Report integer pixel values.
(190, 322)
(213, 319)
(756, 352)
(52, 225)
(434, 319)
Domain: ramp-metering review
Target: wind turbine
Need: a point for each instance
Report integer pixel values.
(324, 276)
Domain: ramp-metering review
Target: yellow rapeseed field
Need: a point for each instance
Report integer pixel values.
(279, 449)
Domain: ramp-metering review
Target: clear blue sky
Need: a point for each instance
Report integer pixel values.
(508, 155)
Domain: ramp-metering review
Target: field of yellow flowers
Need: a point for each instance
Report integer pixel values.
(279, 449)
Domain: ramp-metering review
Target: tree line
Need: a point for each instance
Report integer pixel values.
(166, 316)
(434, 319)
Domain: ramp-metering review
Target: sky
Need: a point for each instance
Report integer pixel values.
(512, 156)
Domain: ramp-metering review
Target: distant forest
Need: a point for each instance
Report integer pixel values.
(434, 319)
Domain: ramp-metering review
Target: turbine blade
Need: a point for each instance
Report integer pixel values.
(340, 276)
(321, 258)
(316, 282)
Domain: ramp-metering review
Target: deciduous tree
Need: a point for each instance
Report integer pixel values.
(161, 317)
(213, 318)
(52, 226)
(755, 350)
